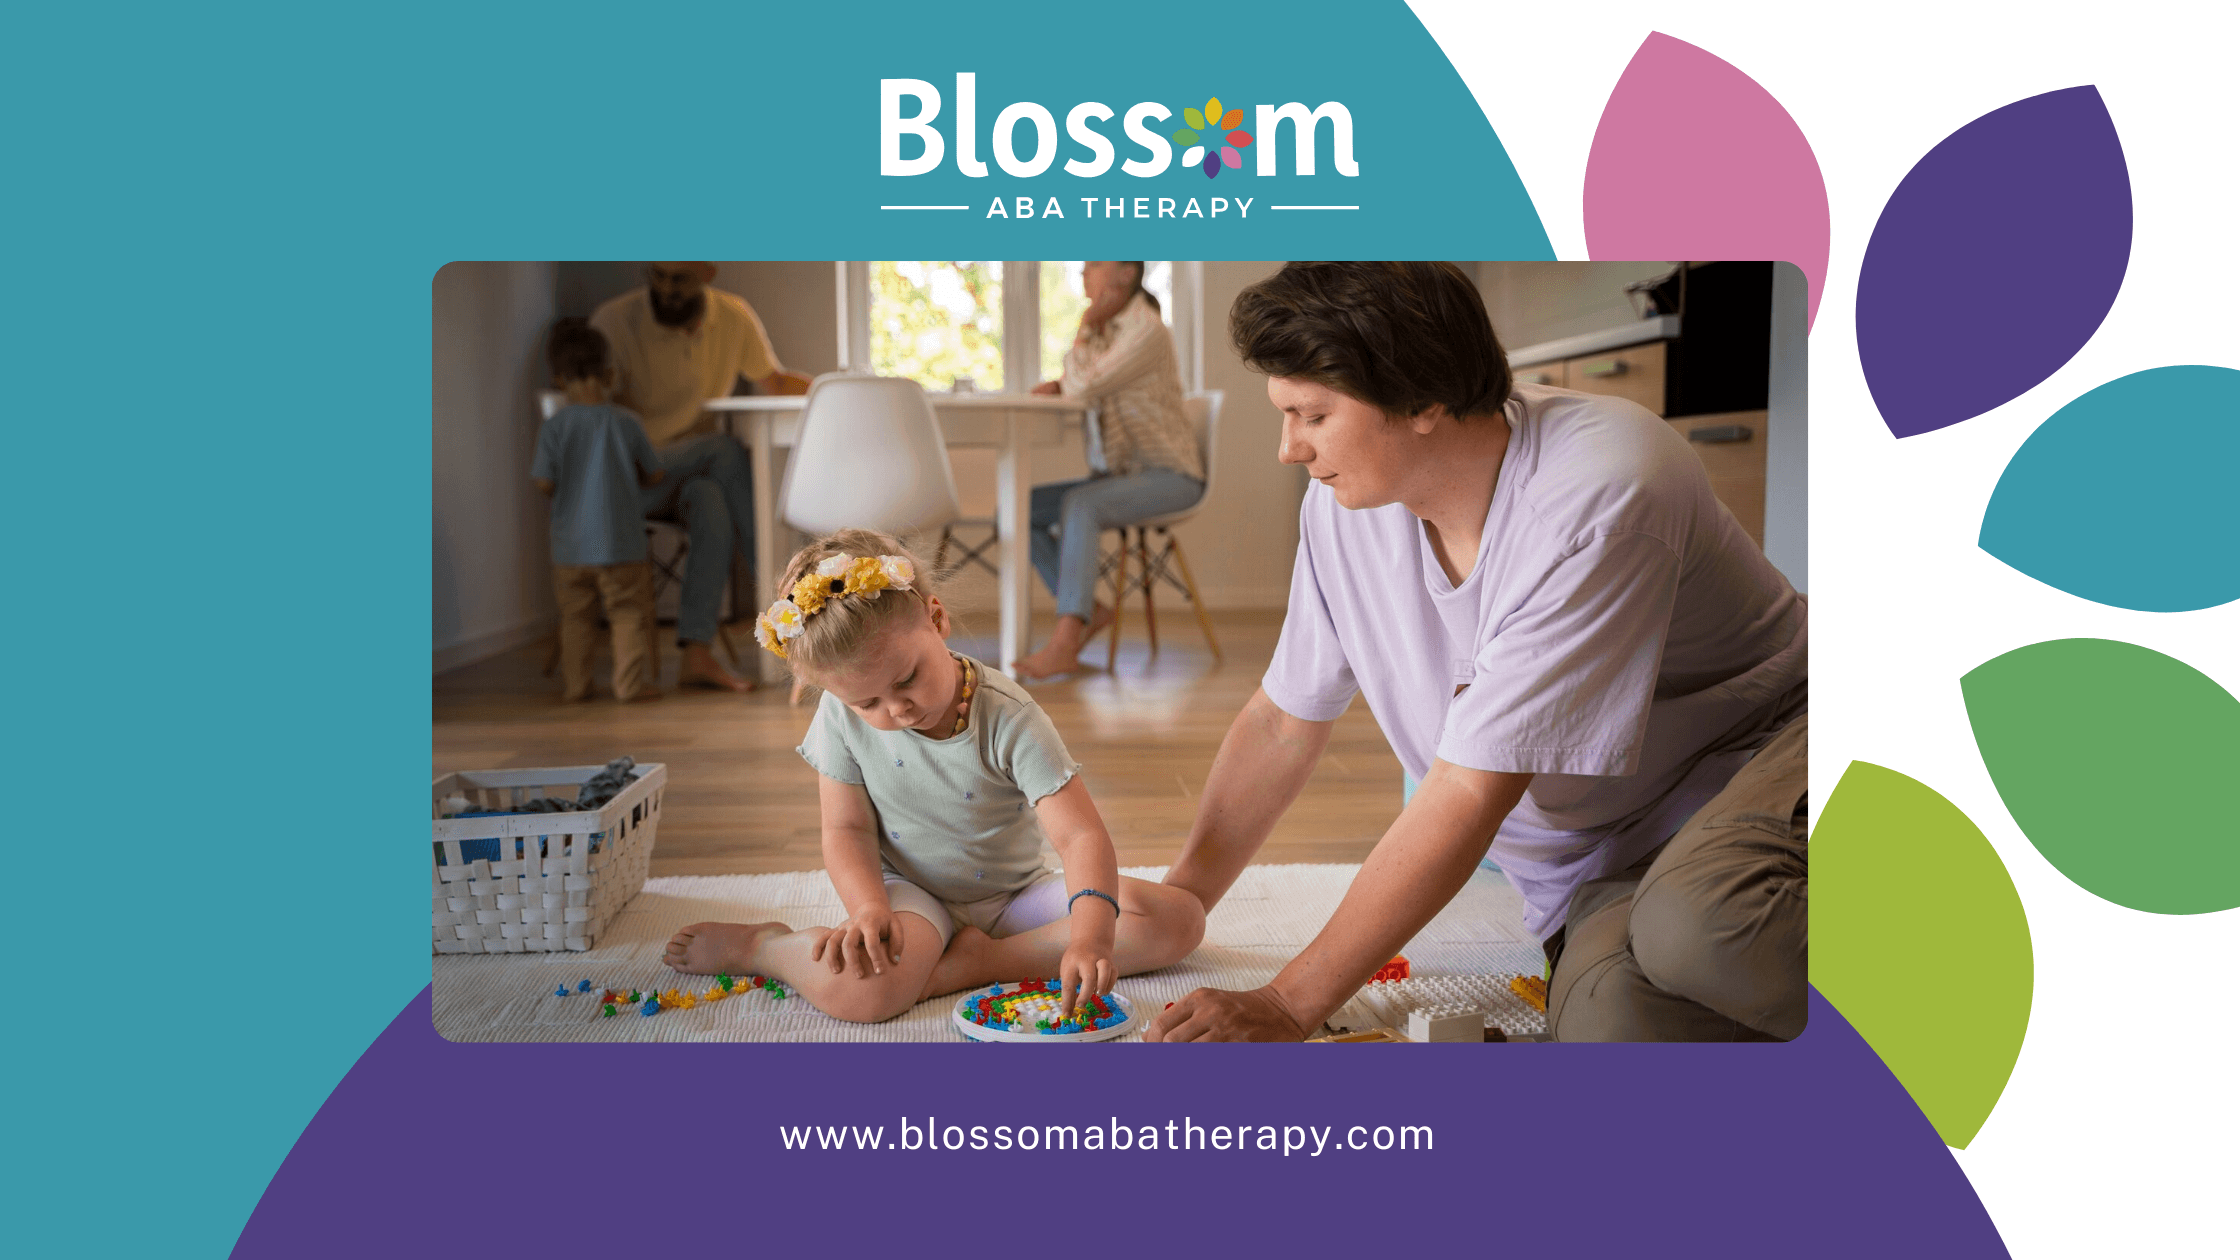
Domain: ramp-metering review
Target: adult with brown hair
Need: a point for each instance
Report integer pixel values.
(1593, 673)
(677, 343)
(1144, 462)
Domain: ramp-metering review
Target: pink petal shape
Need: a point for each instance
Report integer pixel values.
(1231, 159)
(1692, 159)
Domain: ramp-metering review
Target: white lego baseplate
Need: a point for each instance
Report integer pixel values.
(1389, 1003)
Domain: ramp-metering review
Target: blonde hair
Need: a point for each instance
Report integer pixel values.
(841, 628)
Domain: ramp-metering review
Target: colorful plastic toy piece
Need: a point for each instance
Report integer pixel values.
(1397, 969)
(583, 986)
(606, 1010)
(562, 991)
(1532, 989)
(652, 1007)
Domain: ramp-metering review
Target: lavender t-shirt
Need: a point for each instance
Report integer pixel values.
(1620, 638)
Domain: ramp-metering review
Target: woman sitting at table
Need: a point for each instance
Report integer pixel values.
(1143, 454)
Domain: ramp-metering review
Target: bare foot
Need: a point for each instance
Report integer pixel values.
(1062, 654)
(726, 949)
(964, 964)
(1098, 620)
(700, 668)
(1050, 662)
(650, 693)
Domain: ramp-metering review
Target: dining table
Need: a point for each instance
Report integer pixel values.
(1015, 426)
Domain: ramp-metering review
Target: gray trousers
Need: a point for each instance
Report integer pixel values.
(1703, 939)
(708, 490)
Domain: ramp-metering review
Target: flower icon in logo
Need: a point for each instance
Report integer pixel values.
(1211, 152)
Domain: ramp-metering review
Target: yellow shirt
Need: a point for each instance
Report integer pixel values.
(666, 373)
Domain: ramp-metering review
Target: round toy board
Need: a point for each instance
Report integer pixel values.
(1009, 1012)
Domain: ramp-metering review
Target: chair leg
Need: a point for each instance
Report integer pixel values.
(1205, 623)
(1119, 603)
(1150, 613)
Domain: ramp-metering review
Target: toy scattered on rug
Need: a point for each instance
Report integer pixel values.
(1033, 1011)
(611, 1002)
(1533, 990)
(1453, 1008)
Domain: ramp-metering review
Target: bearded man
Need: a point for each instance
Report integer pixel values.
(676, 344)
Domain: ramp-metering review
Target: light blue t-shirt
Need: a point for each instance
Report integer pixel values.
(594, 456)
(956, 815)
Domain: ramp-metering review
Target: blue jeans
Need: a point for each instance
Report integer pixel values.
(706, 489)
(1080, 511)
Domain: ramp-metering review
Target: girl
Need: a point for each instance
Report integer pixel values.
(940, 782)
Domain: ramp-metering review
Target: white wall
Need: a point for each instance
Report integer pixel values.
(1241, 544)
(493, 588)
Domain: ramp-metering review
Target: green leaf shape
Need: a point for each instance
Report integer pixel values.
(1194, 118)
(1918, 937)
(2119, 763)
(1185, 136)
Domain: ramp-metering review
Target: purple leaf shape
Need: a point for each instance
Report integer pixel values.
(1213, 165)
(1994, 261)
(1692, 159)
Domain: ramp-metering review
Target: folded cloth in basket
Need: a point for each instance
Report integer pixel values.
(595, 792)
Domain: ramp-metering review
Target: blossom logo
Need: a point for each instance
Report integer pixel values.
(1212, 151)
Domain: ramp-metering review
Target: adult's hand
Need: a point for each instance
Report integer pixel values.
(1047, 387)
(1223, 1015)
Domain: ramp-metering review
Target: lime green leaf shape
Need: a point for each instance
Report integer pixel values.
(1194, 118)
(2119, 763)
(1918, 937)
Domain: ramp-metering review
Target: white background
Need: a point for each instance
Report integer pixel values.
(2115, 1133)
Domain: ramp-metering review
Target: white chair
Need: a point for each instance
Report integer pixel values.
(869, 456)
(1161, 559)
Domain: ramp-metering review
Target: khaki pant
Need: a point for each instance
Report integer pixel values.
(626, 590)
(1704, 939)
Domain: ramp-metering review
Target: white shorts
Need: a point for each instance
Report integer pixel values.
(1005, 914)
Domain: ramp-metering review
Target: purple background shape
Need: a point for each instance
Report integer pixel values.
(1994, 261)
(433, 1148)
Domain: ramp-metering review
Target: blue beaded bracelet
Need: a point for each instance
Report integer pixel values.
(1091, 892)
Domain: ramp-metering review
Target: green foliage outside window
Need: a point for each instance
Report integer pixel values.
(936, 321)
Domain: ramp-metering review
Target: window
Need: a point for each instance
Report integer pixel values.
(940, 322)
(937, 322)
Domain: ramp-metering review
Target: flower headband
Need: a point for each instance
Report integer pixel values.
(837, 577)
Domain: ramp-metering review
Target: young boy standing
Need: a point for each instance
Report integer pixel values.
(591, 459)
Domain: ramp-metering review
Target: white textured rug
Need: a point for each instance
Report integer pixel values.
(1267, 918)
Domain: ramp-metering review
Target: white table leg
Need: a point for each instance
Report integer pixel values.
(1014, 480)
(765, 523)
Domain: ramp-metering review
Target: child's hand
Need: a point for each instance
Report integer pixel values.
(1087, 966)
(865, 944)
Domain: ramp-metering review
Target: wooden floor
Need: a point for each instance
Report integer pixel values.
(741, 801)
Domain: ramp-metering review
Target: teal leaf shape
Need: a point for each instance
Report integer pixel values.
(1919, 938)
(2124, 496)
(2119, 764)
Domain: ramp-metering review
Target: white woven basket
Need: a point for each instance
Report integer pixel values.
(557, 879)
